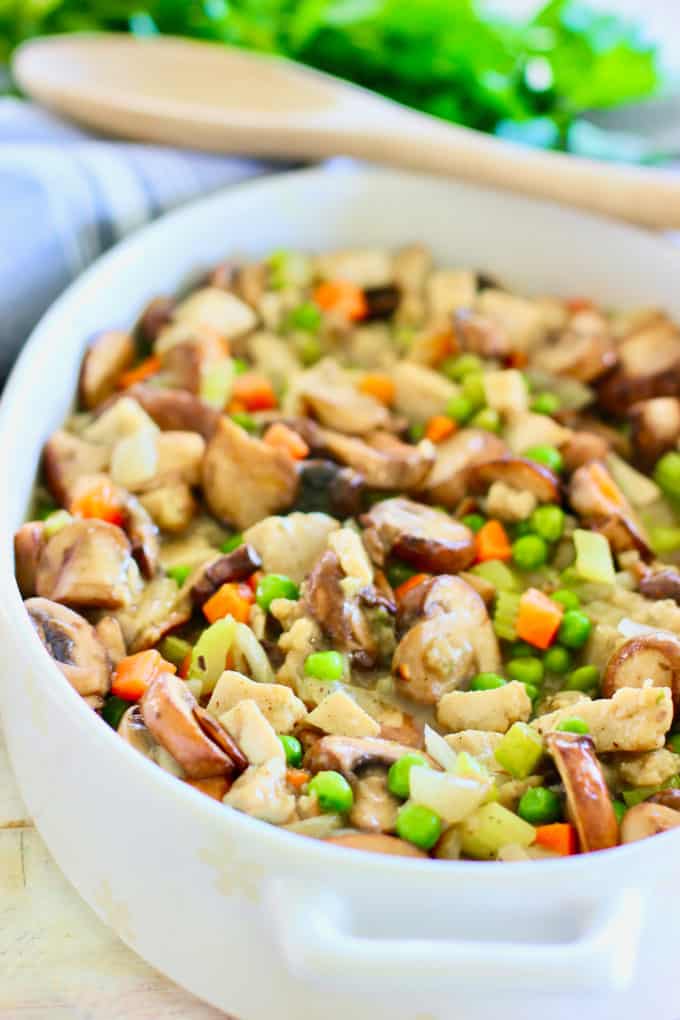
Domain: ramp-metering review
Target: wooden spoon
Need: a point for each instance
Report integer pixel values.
(215, 97)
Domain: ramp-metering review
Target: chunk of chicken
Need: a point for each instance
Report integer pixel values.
(252, 732)
(88, 563)
(73, 644)
(448, 290)
(66, 458)
(508, 503)
(428, 539)
(382, 460)
(523, 320)
(280, 707)
(109, 354)
(420, 392)
(171, 507)
(517, 473)
(245, 479)
(117, 419)
(494, 710)
(338, 714)
(366, 267)
(291, 545)
(481, 744)
(262, 793)
(506, 391)
(218, 309)
(327, 392)
(446, 484)
(634, 719)
(652, 768)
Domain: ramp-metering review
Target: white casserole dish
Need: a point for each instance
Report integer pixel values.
(255, 920)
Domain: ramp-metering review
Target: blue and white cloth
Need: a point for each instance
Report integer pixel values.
(66, 196)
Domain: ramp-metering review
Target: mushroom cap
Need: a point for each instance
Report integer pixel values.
(73, 644)
(519, 473)
(645, 658)
(588, 799)
(663, 584)
(109, 354)
(648, 367)
(87, 563)
(585, 351)
(426, 538)
(447, 482)
(28, 545)
(350, 754)
(648, 819)
(377, 843)
(175, 410)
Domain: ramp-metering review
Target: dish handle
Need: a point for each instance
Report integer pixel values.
(322, 942)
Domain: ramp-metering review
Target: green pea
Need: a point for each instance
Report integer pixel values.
(667, 474)
(539, 806)
(527, 671)
(292, 749)
(569, 599)
(574, 725)
(333, 792)
(275, 586)
(529, 552)
(521, 650)
(487, 682)
(460, 408)
(113, 710)
(240, 366)
(585, 678)
(574, 629)
(619, 810)
(245, 420)
(325, 665)
(673, 743)
(308, 348)
(231, 543)
(464, 364)
(418, 825)
(306, 316)
(416, 432)
(545, 403)
(473, 389)
(548, 522)
(521, 528)
(179, 574)
(398, 777)
(549, 456)
(532, 691)
(488, 418)
(473, 521)
(557, 660)
(398, 572)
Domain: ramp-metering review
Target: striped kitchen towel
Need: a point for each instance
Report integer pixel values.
(66, 196)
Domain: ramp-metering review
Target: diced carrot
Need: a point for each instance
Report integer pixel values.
(150, 366)
(281, 436)
(439, 428)
(492, 542)
(233, 599)
(517, 359)
(253, 392)
(186, 665)
(538, 619)
(379, 386)
(254, 580)
(578, 304)
(406, 586)
(343, 297)
(134, 673)
(297, 778)
(559, 837)
(101, 502)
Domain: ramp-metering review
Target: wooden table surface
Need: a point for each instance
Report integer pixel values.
(58, 961)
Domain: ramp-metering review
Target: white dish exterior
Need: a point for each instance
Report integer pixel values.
(255, 920)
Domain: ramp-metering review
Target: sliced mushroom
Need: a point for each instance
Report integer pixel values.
(110, 634)
(169, 711)
(670, 798)
(376, 843)
(518, 473)
(383, 461)
(88, 563)
(29, 542)
(73, 644)
(480, 335)
(235, 566)
(588, 800)
(648, 367)
(245, 479)
(597, 499)
(428, 539)
(655, 428)
(582, 447)
(66, 458)
(647, 819)
(327, 392)
(185, 365)
(650, 660)
(171, 507)
(350, 755)
(217, 733)
(143, 535)
(664, 584)
(176, 410)
(291, 545)
(453, 642)
(447, 482)
(155, 317)
(158, 609)
(381, 302)
(108, 355)
(584, 351)
(324, 487)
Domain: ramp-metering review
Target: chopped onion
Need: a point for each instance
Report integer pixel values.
(451, 797)
(247, 645)
(134, 459)
(631, 628)
(437, 748)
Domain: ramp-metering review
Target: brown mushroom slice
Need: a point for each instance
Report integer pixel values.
(649, 362)
(664, 584)
(186, 364)
(480, 335)
(168, 710)
(648, 819)
(376, 843)
(245, 479)
(171, 507)
(518, 473)
(670, 798)
(108, 355)
(110, 633)
(234, 566)
(29, 541)
(595, 497)
(446, 483)
(66, 458)
(650, 660)
(383, 461)
(426, 538)
(375, 808)
(73, 644)
(588, 800)
(582, 447)
(217, 733)
(655, 428)
(88, 563)
(217, 787)
(327, 392)
(584, 351)
(351, 754)
(143, 535)
(156, 316)
(175, 410)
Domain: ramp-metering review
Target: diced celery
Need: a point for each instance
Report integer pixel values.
(505, 615)
(498, 574)
(640, 793)
(491, 827)
(55, 521)
(216, 384)
(208, 659)
(174, 649)
(520, 750)
(664, 540)
(594, 557)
